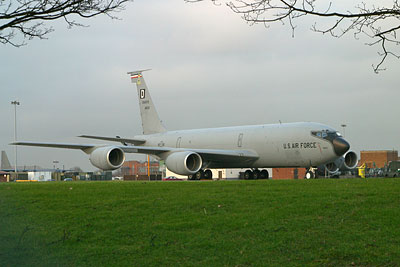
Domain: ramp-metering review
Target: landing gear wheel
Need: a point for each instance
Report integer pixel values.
(208, 174)
(264, 174)
(248, 175)
(309, 175)
(199, 175)
(256, 174)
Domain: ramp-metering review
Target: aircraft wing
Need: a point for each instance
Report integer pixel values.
(217, 155)
(223, 155)
(116, 139)
(55, 145)
(214, 155)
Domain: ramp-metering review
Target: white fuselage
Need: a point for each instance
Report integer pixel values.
(277, 145)
(192, 152)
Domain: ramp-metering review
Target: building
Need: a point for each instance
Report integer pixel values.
(134, 167)
(42, 176)
(288, 173)
(4, 176)
(378, 158)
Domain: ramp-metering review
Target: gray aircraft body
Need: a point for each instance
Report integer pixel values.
(5, 163)
(194, 152)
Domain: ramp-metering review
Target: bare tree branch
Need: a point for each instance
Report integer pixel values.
(380, 24)
(26, 18)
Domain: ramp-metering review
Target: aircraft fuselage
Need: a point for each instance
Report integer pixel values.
(278, 145)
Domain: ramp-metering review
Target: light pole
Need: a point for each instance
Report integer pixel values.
(344, 131)
(148, 166)
(15, 103)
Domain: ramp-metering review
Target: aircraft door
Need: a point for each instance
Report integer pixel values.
(296, 173)
(178, 142)
(240, 140)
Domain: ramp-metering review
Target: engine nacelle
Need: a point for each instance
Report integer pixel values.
(350, 161)
(331, 168)
(107, 158)
(184, 162)
(345, 163)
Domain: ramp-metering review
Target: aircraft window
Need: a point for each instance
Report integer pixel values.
(326, 134)
(332, 134)
(315, 133)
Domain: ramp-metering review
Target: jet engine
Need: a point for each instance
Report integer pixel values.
(332, 167)
(107, 157)
(184, 162)
(350, 160)
(344, 163)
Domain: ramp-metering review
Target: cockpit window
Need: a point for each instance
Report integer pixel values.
(319, 134)
(326, 134)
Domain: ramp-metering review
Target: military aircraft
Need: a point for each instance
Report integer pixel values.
(6, 166)
(194, 152)
(5, 163)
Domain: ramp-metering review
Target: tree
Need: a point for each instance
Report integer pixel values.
(378, 23)
(26, 18)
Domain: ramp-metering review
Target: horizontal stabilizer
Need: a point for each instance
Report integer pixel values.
(137, 71)
(136, 76)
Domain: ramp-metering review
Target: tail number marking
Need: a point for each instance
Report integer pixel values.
(142, 93)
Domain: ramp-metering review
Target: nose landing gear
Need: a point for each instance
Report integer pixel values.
(310, 173)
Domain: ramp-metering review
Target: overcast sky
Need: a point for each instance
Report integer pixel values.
(210, 69)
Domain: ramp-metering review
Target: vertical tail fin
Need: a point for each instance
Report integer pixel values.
(151, 122)
(5, 163)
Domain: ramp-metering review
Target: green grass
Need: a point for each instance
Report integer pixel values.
(226, 223)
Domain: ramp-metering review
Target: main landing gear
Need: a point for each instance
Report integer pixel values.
(256, 174)
(202, 174)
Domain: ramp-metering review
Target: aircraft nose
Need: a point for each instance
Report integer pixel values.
(340, 146)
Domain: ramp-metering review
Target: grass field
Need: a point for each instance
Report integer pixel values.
(227, 223)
